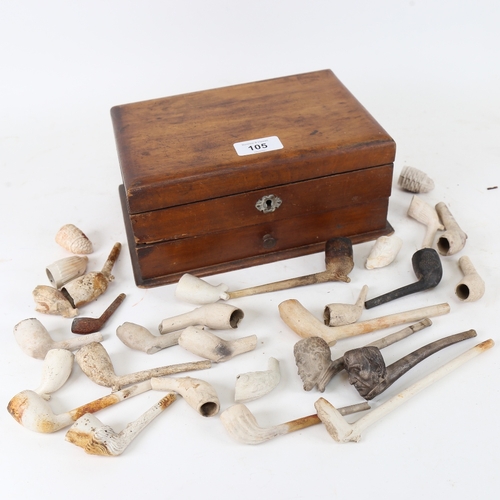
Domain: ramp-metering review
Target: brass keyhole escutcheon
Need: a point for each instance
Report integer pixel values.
(268, 203)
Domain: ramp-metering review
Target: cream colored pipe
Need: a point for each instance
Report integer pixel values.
(56, 369)
(453, 239)
(425, 214)
(471, 287)
(141, 339)
(302, 322)
(344, 314)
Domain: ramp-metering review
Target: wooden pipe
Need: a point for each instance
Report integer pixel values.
(84, 326)
(428, 270)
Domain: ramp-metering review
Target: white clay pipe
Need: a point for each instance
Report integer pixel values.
(453, 239)
(141, 339)
(210, 346)
(33, 412)
(342, 431)
(384, 251)
(242, 426)
(96, 364)
(425, 214)
(199, 394)
(338, 314)
(217, 316)
(302, 322)
(35, 340)
(254, 385)
(471, 287)
(89, 433)
(65, 270)
(56, 369)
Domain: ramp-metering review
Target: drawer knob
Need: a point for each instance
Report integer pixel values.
(268, 203)
(268, 241)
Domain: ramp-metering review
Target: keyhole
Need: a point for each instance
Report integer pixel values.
(269, 203)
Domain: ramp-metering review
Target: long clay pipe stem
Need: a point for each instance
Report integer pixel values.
(84, 326)
(342, 431)
(302, 322)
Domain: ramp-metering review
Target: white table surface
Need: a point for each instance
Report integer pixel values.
(428, 71)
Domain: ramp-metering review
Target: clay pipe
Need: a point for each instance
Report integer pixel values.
(427, 267)
(92, 285)
(89, 433)
(344, 314)
(302, 322)
(453, 239)
(242, 426)
(370, 376)
(56, 369)
(313, 356)
(35, 341)
(343, 432)
(339, 263)
(254, 385)
(471, 287)
(207, 345)
(217, 316)
(84, 326)
(33, 412)
(96, 364)
(141, 339)
(425, 214)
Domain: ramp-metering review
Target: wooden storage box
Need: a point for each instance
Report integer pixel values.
(233, 177)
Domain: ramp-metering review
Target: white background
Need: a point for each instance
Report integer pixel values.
(427, 70)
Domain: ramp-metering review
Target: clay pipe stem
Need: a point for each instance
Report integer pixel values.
(342, 431)
(84, 326)
(302, 322)
(33, 412)
(427, 267)
(112, 257)
(242, 426)
(339, 263)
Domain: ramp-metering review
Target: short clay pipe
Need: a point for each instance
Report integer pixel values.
(313, 356)
(337, 314)
(217, 316)
(304, 324)
(56, 369)
(35, 340)
(453, 239)
(141, 339)
(199, 394)
(96, 364)
(253, 385)
(34, 413)
(339, 263)
(471, 287)
(92, 285)
(84, 326)
(210, 346)
(428, 270)
(342, 431)
(425, 214)
(242, 426)
(369, 374)
(89, 433)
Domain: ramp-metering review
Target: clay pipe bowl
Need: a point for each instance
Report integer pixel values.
(427, 267)
(84, 326)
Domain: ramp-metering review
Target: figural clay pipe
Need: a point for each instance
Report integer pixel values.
(88, 287)
(217, 316)
(344, 314)
(89, 433)
(302, 322)
(453, 239)
(199, 394)
(56, 369)
(343, 432)
(84, 326)
(471, 287)
(313, 356)
(369, 375)
(242, 426)
(35, 341)
(339, 263)
(33, 412)
(96, 364)
(427, 267)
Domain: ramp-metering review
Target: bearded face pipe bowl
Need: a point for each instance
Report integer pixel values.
(453, 239)
(57, 367)
(304, 324)
(140, 338)
(369, 375)
(96, 364)
(345, 314)
(313, 356)
(199, 394)
(35, 340)
(89, 433)
(425, 214)
(471, 287)
(342, 431)
(33, 412)
(427, 267)
(217, 316)
(84, 326)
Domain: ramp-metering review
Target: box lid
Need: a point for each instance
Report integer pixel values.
(181, 149)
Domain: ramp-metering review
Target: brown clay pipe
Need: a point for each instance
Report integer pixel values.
(84, 326)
